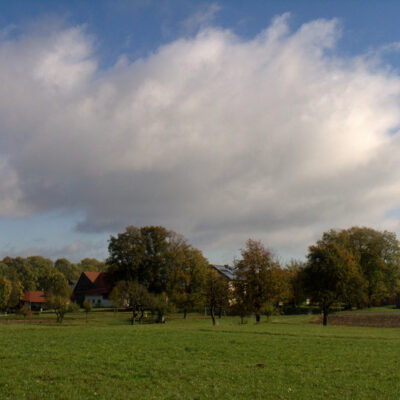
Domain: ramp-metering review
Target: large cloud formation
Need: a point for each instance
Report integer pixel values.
(276, 138)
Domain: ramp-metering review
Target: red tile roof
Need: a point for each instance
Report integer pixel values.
(34, 296)
(92, 275)
(100, 285)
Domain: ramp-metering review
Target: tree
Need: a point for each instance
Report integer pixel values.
(216, 292)
(240, 302)
(60, 302)
(161, 306)
(140, 254)
(5, 292)
(91, 264)
(39, 262)
(26, 274)
(294, 275)
(25, 310)
(378, 255)
(53, 282)
(16, 294)
(87, 306)
(256, 278)
(160, 260)
(70, 271)
(16, 286)
(186, 277)
(133, 295)
(332, 276)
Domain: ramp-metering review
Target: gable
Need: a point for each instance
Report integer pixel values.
(91, 283)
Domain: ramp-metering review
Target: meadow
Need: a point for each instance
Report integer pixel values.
(106, 358)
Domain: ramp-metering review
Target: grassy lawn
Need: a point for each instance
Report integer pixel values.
(287, 358)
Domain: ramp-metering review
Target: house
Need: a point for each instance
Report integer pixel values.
(35, 299)
(225, 271)
(92, 286)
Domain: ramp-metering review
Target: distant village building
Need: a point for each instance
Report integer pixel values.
(225, 271)
(35, 300)
(92, 286)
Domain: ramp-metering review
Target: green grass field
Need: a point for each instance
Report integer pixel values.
(106, 358)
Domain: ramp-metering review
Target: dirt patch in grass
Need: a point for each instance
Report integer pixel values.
(378, 320)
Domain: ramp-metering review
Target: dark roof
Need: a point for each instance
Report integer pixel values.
(100, 285)
(225, 270)
(34, 296)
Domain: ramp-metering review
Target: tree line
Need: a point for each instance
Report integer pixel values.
(18, 275)
(152, 268)
(355, 267)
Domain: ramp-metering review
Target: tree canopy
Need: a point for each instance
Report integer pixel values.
(378, 256)
(257, 280)
(331, 276)
(160, 260)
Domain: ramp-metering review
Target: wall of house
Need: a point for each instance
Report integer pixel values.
(98, 300)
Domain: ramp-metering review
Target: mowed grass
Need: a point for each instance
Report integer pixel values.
(286, 358)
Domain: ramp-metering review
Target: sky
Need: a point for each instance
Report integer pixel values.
(223, 121)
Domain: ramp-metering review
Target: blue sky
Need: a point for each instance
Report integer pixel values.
(145, 112)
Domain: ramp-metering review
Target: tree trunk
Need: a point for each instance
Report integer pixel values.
(212, 313)
(325, 317)
(258, 317)
(220, 313)
(184, 314)
(133, 317)
(141, 316)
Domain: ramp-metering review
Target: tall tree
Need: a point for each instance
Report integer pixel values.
(216, 292)
(294, 275)
(187, 276)
(256, 277)
(140, 254)
(332, 276)
(240, 302)
(157, 258)
(378, 255)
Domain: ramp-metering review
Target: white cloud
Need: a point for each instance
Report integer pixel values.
(201, 19)
(277, 138)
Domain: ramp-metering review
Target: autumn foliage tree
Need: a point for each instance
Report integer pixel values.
(160, 260)
(132, 295)
(141, 255)
(216, 292)
(257, 278)
(378, 256)
(332, 276)
(294, 277)
(60, 303)
(187, 277)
